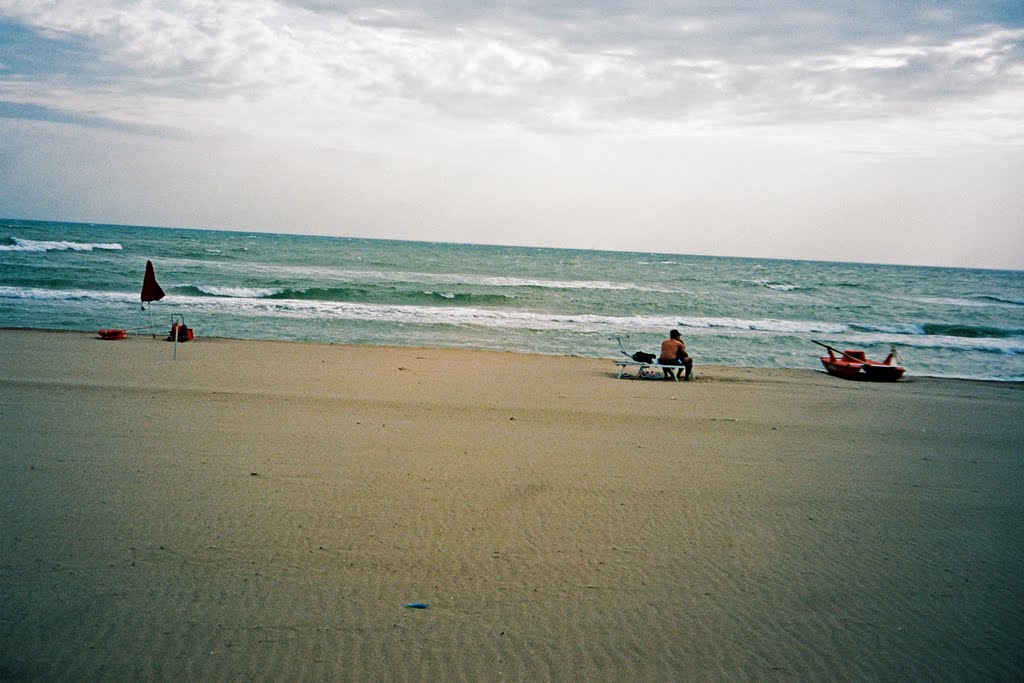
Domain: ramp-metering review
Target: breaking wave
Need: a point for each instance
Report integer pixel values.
(978, 301)
(235, 292)
(943, 330)
(777, 286)
(18, 244)
(364, 294)
(355, 277)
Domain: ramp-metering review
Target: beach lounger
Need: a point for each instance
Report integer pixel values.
(642, 366)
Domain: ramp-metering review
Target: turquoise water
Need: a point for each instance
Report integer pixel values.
(731, 311)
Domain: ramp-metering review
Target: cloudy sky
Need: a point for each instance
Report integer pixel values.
(881, 130)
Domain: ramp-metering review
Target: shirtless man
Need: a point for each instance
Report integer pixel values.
(673, 352)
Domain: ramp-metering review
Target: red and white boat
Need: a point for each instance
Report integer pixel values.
(854, 364)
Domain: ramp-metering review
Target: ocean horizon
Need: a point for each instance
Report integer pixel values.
(732, 311)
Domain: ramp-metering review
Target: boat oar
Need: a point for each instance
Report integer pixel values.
(841, 353)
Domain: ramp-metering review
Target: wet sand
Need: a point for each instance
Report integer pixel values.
(264, 510)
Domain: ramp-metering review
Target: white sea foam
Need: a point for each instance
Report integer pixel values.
(488, 280)
(534, 282)
(895, 328)
(61, 245)
(39, 294)
(984, 302)
(327, 274)
(952, 301)
(766, 325)
(240, 292)
(777, 286)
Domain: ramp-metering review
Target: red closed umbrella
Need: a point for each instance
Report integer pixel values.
(151, 291)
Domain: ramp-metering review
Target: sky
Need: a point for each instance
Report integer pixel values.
(882, 131)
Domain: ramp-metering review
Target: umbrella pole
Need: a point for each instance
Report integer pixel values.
(174, 331)
(152, 325)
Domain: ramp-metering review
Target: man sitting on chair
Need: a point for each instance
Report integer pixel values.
(673, 352)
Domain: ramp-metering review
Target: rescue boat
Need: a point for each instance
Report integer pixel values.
(854, 364)
(113, 334)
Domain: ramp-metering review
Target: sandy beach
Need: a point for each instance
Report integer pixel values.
(268, 511)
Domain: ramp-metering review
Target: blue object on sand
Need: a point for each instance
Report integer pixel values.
(417, 605)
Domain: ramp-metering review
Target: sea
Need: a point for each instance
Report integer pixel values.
(742, 312)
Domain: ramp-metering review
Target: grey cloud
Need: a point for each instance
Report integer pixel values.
(564, 66)
(710, 27)
(614, 61)
(885, 79)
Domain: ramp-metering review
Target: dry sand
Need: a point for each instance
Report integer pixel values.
(258, 510)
